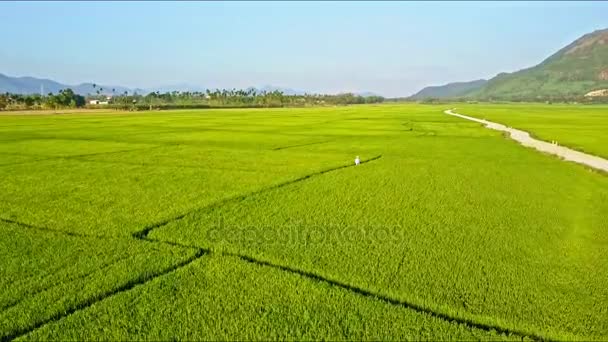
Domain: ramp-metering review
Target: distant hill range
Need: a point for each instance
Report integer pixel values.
(579, 69)
(32, 85)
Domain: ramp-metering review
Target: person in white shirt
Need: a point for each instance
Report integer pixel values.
(357, 161)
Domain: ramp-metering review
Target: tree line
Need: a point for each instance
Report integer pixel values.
(64, 99)
(219, 98)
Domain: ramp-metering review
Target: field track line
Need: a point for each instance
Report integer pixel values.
(28, 161)
(141, 280)
(75, 156)
(56, 231)
(525, 139)
(469, 323)
(300, 145)
(61, 282)
(110, 152)
(175, 166)
(142, 234)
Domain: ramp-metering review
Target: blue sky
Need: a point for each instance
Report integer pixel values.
(391, 48)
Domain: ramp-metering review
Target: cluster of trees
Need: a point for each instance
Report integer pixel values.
(173, 100)
(234, 98)
(64, 99)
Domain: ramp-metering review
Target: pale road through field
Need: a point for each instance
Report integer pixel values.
(525, 139)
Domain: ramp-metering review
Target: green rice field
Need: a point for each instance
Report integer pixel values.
(255, 224)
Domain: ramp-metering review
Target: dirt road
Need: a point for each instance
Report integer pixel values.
(525, 139)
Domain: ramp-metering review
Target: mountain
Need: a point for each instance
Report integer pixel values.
(449, 90)
(32, 85)
(576, 70)
(290, 91)
(366, 94)
(286, 91)
(579, 69)
(182, 87)
(28, 85)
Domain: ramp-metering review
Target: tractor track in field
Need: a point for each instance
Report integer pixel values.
(300, 145)
(51, 230)
(142, 234)
(75, 156)
(141, 280)
(168, 165)
(526, 140)
(469, 323)
(28, 161)
(200, 252)
(63, 281)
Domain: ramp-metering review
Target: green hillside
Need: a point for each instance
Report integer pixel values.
(449, 90)
(573, 71)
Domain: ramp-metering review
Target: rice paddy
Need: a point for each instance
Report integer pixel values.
(255, 224)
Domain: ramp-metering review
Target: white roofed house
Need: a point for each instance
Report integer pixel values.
(97, 102)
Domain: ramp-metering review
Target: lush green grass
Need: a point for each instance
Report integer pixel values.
(224, 298)
(45, 274)
(580, 127)
(114, 175)
(451, 231)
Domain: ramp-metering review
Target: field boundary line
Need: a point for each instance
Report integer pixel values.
(58, 231)
(300, 145)
(129, 285)
(28, 161)
(74, 157)
(175, 166)
(468, 322)
(33, 294)
(524, 138)
(142, 234)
